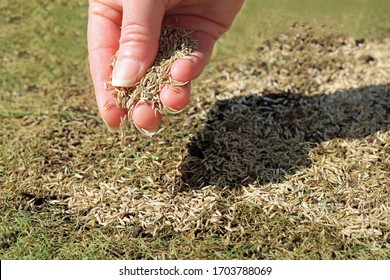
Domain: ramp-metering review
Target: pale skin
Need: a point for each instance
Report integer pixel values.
(133, 27)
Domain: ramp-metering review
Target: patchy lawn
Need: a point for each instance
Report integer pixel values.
(283, 154)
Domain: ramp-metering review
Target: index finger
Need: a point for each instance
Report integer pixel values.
(104, 22)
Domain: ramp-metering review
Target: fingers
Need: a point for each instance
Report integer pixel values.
(103, 36)
(175, 99)
(137, 41)
(146, 118)
(188, 69)
(141, 26)
(205, 32)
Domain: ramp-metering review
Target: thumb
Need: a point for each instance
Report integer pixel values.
(141, 27)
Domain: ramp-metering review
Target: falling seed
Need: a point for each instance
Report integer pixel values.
(107, 105)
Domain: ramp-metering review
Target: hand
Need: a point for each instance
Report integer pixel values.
(133, 27)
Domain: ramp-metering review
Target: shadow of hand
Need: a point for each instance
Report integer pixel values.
(264, 138)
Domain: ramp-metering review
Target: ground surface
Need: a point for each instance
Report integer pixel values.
(283, 154)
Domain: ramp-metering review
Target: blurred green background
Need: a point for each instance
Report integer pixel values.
(263, 19)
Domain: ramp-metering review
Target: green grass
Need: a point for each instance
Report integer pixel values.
(53, 144)
(37, 236)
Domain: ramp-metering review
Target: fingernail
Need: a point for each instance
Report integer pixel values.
(145, 132)
(111, 129)
(173, 111)
(125, 73)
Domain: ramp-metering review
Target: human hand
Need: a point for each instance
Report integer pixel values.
(133, 27)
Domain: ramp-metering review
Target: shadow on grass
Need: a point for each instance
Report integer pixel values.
(264, 138)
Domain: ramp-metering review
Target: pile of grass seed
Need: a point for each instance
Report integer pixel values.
(301, 62)
(174, 43)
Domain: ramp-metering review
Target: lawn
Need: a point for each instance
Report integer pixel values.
(283, 153)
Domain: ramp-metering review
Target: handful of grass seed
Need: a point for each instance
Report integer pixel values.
(174, 43)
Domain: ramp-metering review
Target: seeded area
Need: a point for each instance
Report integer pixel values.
(298, 134)
(174, 43)
(298, 91)
(284, 155)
